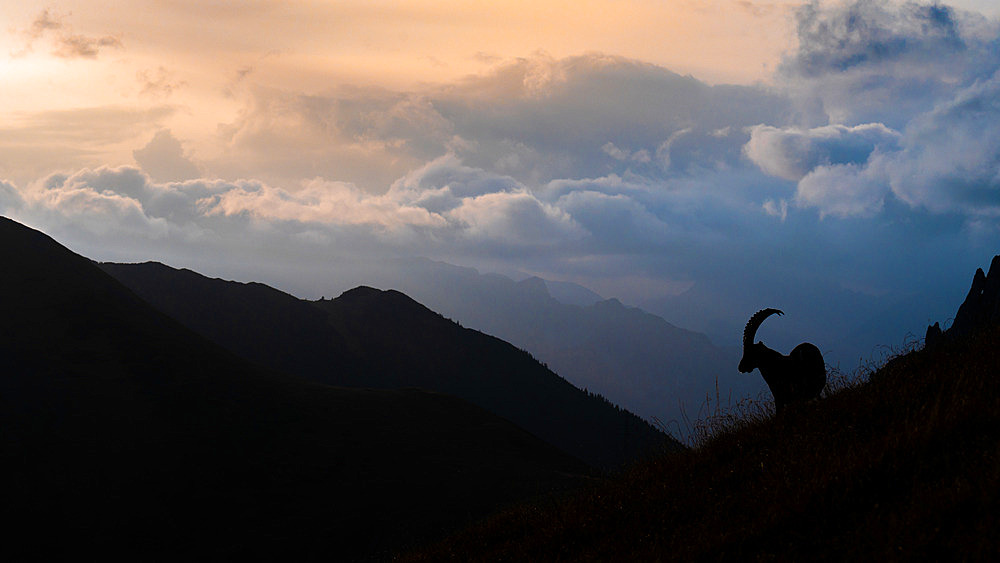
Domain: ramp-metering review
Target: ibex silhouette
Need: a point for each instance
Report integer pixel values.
(797, 377)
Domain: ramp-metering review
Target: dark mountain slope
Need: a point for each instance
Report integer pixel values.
(384, 339)
(903, 467)
(253, 320)
(125, 433)
(401, 336)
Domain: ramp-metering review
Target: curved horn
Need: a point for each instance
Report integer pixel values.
(754, 323)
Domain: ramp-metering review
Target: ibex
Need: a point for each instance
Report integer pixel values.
(797, 377)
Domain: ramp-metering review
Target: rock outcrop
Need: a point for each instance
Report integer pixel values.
(981, 307)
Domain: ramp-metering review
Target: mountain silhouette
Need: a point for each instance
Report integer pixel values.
(384, 339)
(125, 433)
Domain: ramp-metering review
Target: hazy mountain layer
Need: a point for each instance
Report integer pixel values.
(633, 358)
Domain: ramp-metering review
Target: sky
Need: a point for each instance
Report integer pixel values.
(702, 159)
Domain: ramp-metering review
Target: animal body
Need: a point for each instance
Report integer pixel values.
(797, 377)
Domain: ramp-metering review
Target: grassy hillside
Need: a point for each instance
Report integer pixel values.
(904, 466)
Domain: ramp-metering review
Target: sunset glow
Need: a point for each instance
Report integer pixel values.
(203, 60)
(730, 152)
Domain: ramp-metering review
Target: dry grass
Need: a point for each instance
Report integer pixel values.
(720, 415)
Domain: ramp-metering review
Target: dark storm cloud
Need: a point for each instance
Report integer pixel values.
(910, 95)
(865, 61)
(867, 33)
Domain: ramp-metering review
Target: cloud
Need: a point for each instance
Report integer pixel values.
(776, 208)
(928, 73)
(10, 197)
(65, 43)
(517, 220)
(367, 137)
(461, 179)
(164, 160)
(318, 201)
(445, 206)
(80, 46)
(594, 114)
(34, 144)
(238, 78)
(616, 222)
(614, 152)
(536, 119)
(43, 23)
(842, 190)
(663, 151)
(950, 161)
(157, 84)
(641, 156)
(106, 192)
(867, 61)
(866, 33)
(791, 153)
(484, 210)
(101, 203)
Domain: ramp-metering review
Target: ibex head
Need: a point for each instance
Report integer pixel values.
(753, 352)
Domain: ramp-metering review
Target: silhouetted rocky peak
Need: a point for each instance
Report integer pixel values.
(360, 292)
(387, 301)
(980, 309)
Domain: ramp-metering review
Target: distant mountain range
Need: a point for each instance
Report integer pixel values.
(384, 339)
(635, 359)
(124, 433)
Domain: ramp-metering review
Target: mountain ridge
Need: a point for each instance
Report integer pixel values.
(127, 434)
(363, 336)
